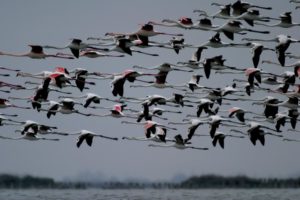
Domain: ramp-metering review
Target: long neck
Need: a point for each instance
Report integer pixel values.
(13, 54)
(136, 138)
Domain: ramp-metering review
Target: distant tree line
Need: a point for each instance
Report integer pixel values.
(215, 181)
(24, 182)
(195, 182)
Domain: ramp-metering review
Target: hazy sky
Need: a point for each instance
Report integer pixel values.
(56, 22)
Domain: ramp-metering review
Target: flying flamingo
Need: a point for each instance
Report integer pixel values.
(66, 106)
(160, 82)
(256, 133)
(32, 126)
(123, 45)
(116, 112)
(216, 42)
(179, 144)
(253, 15)
(31, 136)
(239, 7)
(220, 137)
(270, 110)
(75, 46)
(239, 113)
(257, 49)
(183, 22)
(283, 41)
(145, 30)
(291, 103)
(164, 67)
(193, 63)
(41, 94)
(216, 63)
(149, 125)
(89, 98)
(231, 27)
(36, 53)
(280, 120)
(96, 54)
(285, 21)
(159, 100)
(158, 136)
(223, 13)
(157, 112)
(88, 136)
(194, 124)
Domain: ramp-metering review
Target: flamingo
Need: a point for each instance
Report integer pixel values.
(281, 38)
(194, 124)
(283, 41)
(164, 67)
(96, 54)
(239, 113)
(66, 106)
(220, 137)
(116, 112)
(157, 112)
(31, 136)
(239, 7)
(223, 13)
(253, 15)
(256, 133)
(75, 46)
(159, 136)
(80, 78)
(270, 110)
(123, 45)
(176, 43)
(89, 98)
(281, 118)
(117, 85)
(257, 49)
(88, 136)
(193, 84)
(149, 125)
(179, 144)
(204, 24)
(32, 126)
(183, 22)
(285, 21)
(145, 30)
(291, 103)
(36, 53)
(193, 63)
(160, 82)
(232, 26)
(41, 94)
(216, 63)
(216, 42)
(160, 100)
(215, 121)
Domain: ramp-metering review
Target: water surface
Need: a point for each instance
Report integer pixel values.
(151, 194)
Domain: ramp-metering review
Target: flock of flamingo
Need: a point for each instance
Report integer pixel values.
(240, 18)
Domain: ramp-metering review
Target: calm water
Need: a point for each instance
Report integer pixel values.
(205, 194)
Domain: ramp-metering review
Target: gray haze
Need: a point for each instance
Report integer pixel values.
(56, 22)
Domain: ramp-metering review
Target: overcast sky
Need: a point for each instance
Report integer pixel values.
(56, 22)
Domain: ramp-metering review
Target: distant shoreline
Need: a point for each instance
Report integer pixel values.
(8, 181)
